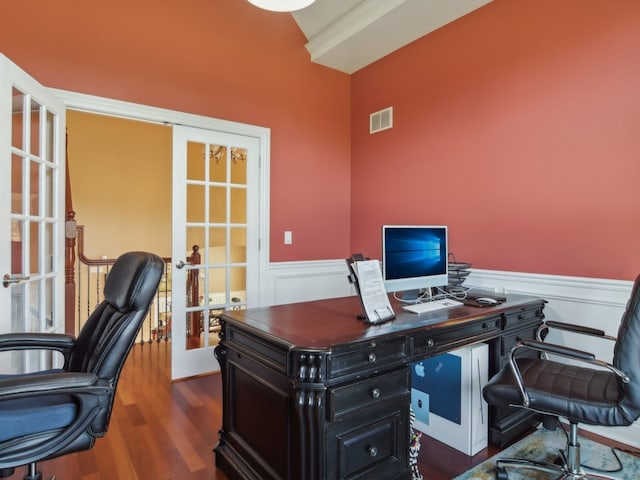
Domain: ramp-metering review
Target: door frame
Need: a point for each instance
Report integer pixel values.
(133, 111)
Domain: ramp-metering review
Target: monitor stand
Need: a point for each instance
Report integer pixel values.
(410, 295)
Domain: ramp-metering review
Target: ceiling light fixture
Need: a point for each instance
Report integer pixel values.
(282, 5)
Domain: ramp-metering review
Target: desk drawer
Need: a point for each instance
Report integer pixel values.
(520, 325)
(366, 356)
(525, 317)
(358, 396)
(370, 446)
(430, 343)
(260, 349)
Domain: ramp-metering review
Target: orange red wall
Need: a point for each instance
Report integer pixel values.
(220, 58)
(518, 126)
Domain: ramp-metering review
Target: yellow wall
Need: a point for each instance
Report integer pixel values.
(120, 174)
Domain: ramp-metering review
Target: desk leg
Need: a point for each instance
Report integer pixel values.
(220, 353)
(309, 405)
(309, 394)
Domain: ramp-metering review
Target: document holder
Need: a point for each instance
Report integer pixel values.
(370, 289)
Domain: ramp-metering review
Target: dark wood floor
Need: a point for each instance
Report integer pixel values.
(163, 430)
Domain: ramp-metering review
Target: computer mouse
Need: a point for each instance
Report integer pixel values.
(487, 301)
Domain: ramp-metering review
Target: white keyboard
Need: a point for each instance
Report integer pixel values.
(432, 306)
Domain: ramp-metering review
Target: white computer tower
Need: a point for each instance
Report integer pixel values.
(446, 396)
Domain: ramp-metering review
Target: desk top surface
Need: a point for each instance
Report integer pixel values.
(324, 323)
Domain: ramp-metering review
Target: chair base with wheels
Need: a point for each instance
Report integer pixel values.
(567, 465)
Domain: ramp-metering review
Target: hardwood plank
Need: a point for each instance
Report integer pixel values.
(166, 431)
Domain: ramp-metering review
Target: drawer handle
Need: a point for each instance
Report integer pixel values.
(372, 357)
(375, 393)
(373, 451)
(430, 343)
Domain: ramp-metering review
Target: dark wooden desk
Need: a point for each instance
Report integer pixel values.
(312, 393)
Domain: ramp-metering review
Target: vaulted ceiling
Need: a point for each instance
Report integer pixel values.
(348, 35)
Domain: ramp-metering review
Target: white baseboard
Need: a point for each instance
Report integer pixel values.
(593, 302)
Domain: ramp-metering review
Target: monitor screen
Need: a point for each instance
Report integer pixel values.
(414, 257)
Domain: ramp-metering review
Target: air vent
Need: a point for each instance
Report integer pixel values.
(381, 120)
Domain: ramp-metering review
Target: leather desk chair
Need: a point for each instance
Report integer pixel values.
(607, 395)
(52, 413)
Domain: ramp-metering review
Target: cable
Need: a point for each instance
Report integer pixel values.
(603, 470)
(457, 292)
(427, 295)
(635, 453)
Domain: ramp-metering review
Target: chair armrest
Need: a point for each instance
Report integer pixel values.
(48, 383)
(36, 341)
(557, 349)
(560, 350)
(572, 327)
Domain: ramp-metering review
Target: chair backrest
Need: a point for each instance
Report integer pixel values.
(105, 340)
(626, 355)
(109, 332)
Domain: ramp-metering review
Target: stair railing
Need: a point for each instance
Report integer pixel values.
(90, 276)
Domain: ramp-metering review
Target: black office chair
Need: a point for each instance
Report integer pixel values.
(608, 395)
(52, 413)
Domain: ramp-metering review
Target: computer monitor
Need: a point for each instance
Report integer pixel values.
(414, 257)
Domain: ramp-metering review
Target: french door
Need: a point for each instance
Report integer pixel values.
(215, 244)
(32, 215)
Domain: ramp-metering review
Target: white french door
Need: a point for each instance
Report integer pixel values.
(32, 146)
(215, 243)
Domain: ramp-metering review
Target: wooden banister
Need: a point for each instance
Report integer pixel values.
(193, 293)
(70, 249)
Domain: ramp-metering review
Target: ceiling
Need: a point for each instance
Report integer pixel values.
(348, 35)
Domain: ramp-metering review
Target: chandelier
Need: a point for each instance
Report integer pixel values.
(282, 5)
(219, 153)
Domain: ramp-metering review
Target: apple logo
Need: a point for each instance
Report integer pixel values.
(419, 369)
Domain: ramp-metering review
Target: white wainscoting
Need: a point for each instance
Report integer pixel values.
(291, 282)
(591, 302)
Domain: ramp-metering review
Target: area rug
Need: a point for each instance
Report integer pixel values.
(543, 445)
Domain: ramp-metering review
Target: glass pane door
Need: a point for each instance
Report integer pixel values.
(214, 232)
(33, 156)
